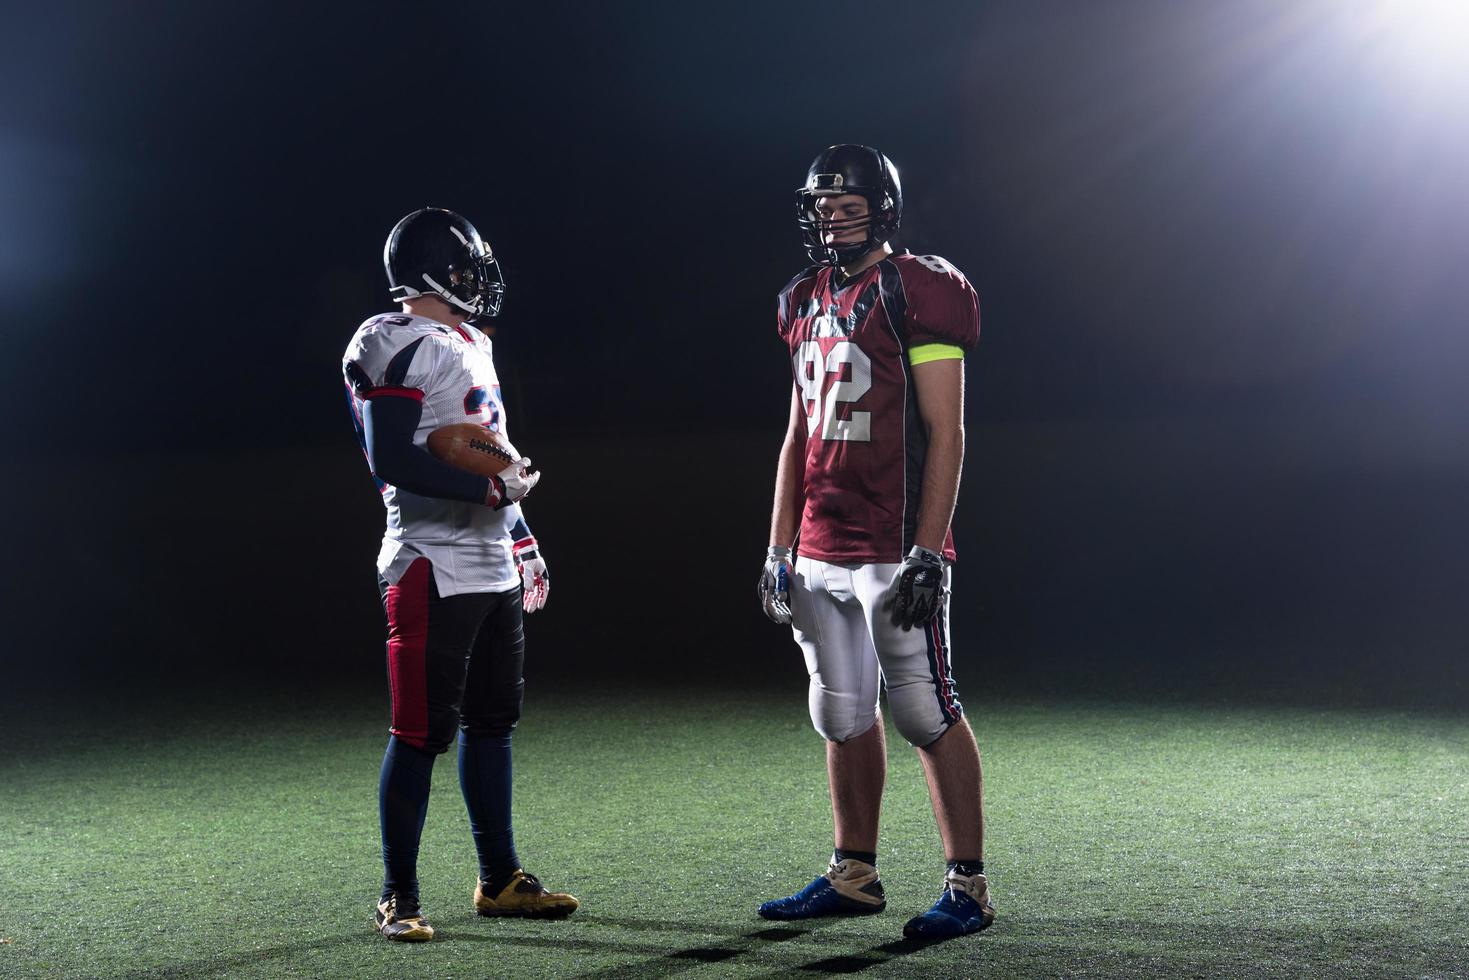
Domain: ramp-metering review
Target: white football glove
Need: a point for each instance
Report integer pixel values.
(512, 483)
(775, 584)
(535, 578)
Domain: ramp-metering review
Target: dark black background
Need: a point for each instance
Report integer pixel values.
(1216, 419)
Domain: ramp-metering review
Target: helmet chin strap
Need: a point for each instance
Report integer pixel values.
(844, 255)
(449, 297)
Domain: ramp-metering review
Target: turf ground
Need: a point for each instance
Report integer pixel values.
(1125, 840)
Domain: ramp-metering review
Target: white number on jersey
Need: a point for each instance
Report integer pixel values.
(937, 263)
(811, 372)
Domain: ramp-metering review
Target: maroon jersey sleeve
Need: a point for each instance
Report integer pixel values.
(942, 308)
(790, 298)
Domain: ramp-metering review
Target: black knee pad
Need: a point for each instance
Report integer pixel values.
(497, 715)
(443, 729)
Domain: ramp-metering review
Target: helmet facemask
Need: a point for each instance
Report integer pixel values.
(879, 221)
(474, 284)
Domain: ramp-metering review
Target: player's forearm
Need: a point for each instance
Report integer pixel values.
(416, 471)
(520, 532)
(940, 489)
(388, 426)
(785, 518)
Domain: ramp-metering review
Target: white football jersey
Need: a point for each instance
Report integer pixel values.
(451, 372)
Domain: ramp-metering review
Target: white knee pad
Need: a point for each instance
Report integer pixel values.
(917, 715)
(840, 715)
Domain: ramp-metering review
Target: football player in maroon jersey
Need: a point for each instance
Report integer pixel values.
(864, 491)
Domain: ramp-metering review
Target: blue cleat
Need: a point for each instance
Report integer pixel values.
(964, 907)
(848, 888)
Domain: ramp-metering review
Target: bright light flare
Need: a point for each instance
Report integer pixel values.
(1425, 41)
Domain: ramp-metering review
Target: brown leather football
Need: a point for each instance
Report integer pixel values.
(472, 447)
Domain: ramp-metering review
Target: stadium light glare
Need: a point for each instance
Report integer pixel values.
(1427, 38)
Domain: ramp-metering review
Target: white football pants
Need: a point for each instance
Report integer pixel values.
(850, 643)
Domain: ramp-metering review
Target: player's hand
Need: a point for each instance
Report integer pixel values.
(535, 578)
(917, 592)
(774, 585)
(512, 483)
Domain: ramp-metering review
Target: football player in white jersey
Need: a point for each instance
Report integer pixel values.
(458, 564)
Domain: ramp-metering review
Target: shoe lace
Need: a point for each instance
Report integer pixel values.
(849, 870)
(401, 907)
(957, 885)
(526, 883)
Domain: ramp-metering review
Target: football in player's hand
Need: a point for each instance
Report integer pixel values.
(472, 447)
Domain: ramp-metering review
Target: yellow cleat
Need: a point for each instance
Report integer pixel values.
(399, 918)
(525, 896)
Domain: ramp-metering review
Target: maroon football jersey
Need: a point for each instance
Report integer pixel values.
(865, 442)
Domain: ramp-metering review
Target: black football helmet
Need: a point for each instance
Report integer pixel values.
(849, 168)
(434, 252)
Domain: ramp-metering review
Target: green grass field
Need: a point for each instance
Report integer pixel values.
(1124, 841)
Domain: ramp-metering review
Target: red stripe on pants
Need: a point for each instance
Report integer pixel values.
(407, 606)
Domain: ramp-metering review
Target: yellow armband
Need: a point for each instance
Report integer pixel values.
(924, 353)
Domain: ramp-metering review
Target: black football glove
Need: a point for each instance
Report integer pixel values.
(775, 585)
(917, 593)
